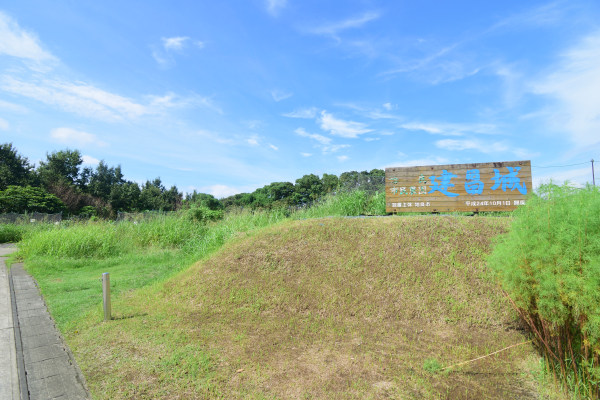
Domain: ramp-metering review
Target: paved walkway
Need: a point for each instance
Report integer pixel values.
(9, 377)
(46, 368)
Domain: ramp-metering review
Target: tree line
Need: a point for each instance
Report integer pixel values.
(61, 183)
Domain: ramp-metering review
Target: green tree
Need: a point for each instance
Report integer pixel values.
(125, 197)
(103, 179)
(14, 168)
(330, 183)
(26, 199)
(203, 199)
(307, 189)
(60, 167)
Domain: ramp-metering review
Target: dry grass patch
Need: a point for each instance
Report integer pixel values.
(327, 308)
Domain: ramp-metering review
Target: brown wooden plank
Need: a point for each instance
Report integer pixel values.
(402, 180)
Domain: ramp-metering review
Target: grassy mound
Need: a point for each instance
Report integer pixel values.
(324, 308)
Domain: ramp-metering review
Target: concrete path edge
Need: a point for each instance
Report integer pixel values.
(18, 342)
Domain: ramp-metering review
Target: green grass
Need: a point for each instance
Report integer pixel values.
(68, 260)
(318, 308)
(306, 308)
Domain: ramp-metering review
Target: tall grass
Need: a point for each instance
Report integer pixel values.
(549, 265)
(342, 204)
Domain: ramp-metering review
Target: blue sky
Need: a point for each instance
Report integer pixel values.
(228, 96)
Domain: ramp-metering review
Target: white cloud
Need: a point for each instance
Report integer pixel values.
(215, 137)
(319, 138)
(17, 42)
(75, 138)
(89, 160)
(388, 106)
(323, 142)
(272, 146)
(274, 7)
(174, 43)
(80, 98)
(334, 28)
(4, 125)
(306, 113)
(279, 95)
(252, 141)
(579, 176)
(5, 105)
(342, 158)
(334, 148)
(221, 191)
(164, 54)
(575, 85)
(305, 154)
(371, 139)
(172, 100)
(468, 144)
(449, 129)
(339, 127)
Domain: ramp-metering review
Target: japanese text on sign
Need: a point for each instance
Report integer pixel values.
(460, 187)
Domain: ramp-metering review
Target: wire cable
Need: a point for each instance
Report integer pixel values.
(559, 166)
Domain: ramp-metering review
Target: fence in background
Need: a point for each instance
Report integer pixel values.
(14, 218)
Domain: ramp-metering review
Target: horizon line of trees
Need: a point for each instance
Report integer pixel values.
(62, 184)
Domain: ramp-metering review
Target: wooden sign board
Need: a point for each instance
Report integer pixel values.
(495, 186)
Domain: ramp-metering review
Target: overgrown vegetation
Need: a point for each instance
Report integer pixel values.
(103, 191)
(317, 308)
(549, 265)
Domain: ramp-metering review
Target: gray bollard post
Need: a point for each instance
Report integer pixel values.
(106, 295)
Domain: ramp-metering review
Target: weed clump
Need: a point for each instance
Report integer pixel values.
(549, 265)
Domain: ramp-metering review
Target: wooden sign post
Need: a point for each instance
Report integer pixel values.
(495, 186)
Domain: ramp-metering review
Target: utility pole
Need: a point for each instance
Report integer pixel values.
(593, 176)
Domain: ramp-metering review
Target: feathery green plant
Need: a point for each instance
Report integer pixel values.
(549, 265)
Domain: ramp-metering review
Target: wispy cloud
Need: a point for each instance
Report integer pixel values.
(450, 129)
(546, 14)
(575, 85)
(279, 95)
(252, 140)
(273, 147)
(215, 137)
(80, 98)
(4, 125)
(343, 158)
(164, 54)
(306, 154)
(274, 7)
(305, 113)
(172, 100)
(324, 140)
(17, 42)
(340, 127)
(5, 105)
(324, 143)
(174, 43)
(468, 144)
(333, 29)
(75, 138)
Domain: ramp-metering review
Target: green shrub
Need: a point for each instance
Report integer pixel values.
(11, 233)
(24, 199)
(549, 265)
(205, 214)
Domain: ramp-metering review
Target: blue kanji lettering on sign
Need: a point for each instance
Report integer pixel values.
(509, 181)
(444, 183)
(473, 184)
